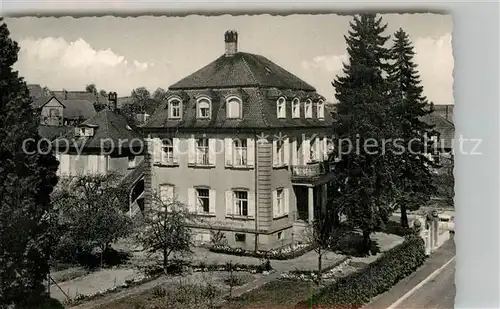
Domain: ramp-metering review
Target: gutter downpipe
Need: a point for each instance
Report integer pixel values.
(256, 191)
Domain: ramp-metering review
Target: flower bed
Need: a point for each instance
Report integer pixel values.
(308, 275)
(284, 253)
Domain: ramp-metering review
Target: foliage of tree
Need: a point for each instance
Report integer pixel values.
(413, 178)
(93, 212)
(27, 178)
(445, 181)
(159, 94)
(364, 183)
(91, 88)
(100, 106)
(140, 96)
(164, 228)
(103, 93)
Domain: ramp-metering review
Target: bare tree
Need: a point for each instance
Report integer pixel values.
(164, 228)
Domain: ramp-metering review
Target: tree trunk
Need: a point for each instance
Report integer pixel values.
(320, 257)
(404, 217)
(367, 242)
(165, 261)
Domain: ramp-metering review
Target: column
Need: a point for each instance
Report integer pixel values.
(310, 204)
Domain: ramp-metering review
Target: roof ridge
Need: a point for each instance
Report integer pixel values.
(249, 70)
(259, 101)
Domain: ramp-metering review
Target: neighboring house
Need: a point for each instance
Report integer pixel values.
(55, 112)
(204, 149)
(102, 143)
(444, 110)
(444, 136)
(36, 91)
(93, 97)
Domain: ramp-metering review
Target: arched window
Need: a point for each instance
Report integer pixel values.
(321, 109)
(308, 109)
(234, 107)
(281, 108)
(296, 108)
(204, 108)
(175, 108)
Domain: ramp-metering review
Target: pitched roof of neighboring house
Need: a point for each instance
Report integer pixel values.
(259, 110)
(35, 90)
(135, 175)
(109, 126)
(242, 70)
(79, 95)
(52, 132)
(445, 128)
(78, 109)
(73, 109)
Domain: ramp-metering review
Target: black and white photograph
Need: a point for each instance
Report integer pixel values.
(230, 162)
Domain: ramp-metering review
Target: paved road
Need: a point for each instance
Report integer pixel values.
(437, 293)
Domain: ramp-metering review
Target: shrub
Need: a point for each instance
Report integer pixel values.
(357, 289)
(393, 227)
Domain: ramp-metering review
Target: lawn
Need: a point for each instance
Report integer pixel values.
(278, 294)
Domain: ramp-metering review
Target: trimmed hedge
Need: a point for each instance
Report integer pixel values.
(285, 253)
(359, 288)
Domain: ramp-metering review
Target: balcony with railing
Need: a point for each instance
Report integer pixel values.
(308, 172)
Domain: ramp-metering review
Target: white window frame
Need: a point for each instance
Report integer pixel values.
(280, 153)
(308, 109)
(200, 199)
(231, 99)
(199, 102)
(281, 108)
(202, 151)
(320, 110)
(280, 200)
(296, 108)
(240, 152)
(171, 108)
(238, 205)
(167, 151)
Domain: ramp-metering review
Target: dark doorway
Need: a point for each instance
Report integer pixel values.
(301, 193)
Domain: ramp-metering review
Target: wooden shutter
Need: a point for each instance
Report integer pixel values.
(294, 151)
(212, 144)
(286, 152)
(229, 202)
(191, 150)
(250, 152)
(251, 204)
(212, 201)
(157, 150)
(306, 150)
(275, 203)
(228, 151)
(317, 149)
(286, 200)
(275, 153)
(192, 200)
(325, 148)
(176, 144)
(64, 164)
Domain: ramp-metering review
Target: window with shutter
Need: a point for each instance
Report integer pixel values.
(241, 203)
(203, 200)
(240, 152)
(228, 151)
(250, 152)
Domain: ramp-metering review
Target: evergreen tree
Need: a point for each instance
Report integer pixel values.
(27, 178)
(413, 178)
(364, 174)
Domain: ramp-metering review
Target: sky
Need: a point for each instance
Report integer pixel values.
(120, 54)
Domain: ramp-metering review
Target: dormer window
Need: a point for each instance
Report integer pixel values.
(204, 108)
(296, 108)
(234, 107)
(308, 109)
(321, 109)
(281, 108)
(175, 108)
(84, 132)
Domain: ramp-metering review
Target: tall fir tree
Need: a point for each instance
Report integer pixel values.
(27, 178)
(364, 174)
(414, 180)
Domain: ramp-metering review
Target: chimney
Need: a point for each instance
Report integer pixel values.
(231, 40)
(113, 100)
(65, 94)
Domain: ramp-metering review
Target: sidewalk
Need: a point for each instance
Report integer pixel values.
(435, 261)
